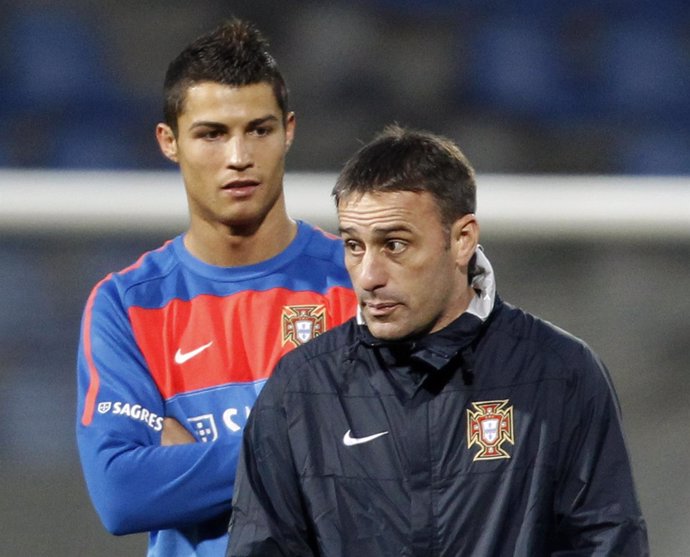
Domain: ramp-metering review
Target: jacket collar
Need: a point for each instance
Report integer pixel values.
(484, 284)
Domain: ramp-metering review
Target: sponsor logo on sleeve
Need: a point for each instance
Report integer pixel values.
(302, 323)
(133, 411)
(489, 426)
(203, 427)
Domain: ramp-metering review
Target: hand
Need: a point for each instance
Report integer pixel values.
(174, 433)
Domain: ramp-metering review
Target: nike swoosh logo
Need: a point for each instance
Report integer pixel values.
(182, 357)
(349, 441)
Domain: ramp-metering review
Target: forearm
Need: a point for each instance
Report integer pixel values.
(141, 488)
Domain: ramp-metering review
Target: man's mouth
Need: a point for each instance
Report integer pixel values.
(241, 188)
(380, 309)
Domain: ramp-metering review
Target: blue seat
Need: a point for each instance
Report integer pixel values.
(57, 59)
(660, 151)
(647, 71)
(515, 67)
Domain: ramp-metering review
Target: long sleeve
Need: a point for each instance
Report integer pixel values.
(172, 336)
(596, 509)
(136, 484)
(268, 518)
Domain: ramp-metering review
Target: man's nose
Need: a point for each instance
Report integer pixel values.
(238, 153)
(372, 271)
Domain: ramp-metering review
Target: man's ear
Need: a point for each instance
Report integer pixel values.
(464, 235)
(167, 141)
(290, 124)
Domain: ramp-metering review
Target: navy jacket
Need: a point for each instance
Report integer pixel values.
(488, 438)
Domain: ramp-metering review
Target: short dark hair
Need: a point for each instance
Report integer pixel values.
(400, 159)
(235, 54)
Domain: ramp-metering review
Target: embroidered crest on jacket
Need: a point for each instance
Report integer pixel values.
(302, 323)
(489, 426)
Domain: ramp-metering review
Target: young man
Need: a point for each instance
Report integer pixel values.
(442, 421)
(175, 348)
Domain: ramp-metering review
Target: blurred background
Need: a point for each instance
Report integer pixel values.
(536, 88)
(592, 86)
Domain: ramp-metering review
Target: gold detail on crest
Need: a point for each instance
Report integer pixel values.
(490, 426)
(302, 323)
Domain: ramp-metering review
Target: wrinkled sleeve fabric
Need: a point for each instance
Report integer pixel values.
(135, 484)
(596, 508)
(268, 516)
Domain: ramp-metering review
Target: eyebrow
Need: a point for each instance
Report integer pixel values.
(378, 230)
(263, 120)
(219, 125)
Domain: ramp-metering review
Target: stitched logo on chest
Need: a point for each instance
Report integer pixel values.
(350, 441)
(302, 323)
(182, 357)
(489, 426)
(204, 428)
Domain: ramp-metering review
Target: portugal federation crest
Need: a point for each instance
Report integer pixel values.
(489, 426)
(302, 323)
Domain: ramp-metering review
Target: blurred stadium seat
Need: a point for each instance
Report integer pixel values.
(617, 69)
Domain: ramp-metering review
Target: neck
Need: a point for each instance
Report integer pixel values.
(465, 297)
(231, 246)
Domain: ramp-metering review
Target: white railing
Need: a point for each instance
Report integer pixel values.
(514, 206)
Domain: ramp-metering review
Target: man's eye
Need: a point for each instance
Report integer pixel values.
(396, 246)
(352, 247)
(211, 134)
(261, 131)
